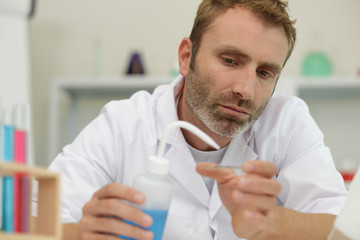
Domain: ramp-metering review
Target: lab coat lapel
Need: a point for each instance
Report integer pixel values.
(238, 152)
(182, 163)
(182, 169)
(166, 106)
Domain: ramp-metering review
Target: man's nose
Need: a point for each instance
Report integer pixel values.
(244, 83)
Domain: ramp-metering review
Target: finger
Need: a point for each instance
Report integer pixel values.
(261, 204)
(114, 226)
(114, 190)
(220, 175)
(259, 167)
(258, 185)
(120, 209)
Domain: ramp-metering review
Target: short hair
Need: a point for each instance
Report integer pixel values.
(271, 12)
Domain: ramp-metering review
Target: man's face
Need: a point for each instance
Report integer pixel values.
(235, 72)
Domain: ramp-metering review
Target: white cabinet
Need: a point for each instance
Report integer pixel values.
(334, 104)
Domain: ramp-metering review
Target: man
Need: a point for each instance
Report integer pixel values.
(288, 187)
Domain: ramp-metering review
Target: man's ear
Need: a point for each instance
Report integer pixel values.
(185, 52)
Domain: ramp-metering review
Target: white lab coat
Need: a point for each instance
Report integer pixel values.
(115, 146)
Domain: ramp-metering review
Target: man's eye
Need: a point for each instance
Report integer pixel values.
(229, 61)
(264, 73)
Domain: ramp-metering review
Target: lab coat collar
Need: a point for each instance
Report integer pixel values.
(182, 168)
(167, 110)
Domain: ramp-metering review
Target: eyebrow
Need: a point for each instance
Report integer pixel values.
(276, 68)
(235, 51)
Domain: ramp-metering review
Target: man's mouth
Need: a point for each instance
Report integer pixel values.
(235, 110)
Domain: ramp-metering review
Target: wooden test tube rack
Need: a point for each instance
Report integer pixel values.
(47, 225)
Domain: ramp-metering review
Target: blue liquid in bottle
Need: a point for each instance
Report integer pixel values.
(159, 220)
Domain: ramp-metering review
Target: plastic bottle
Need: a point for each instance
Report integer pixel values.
(154, 185)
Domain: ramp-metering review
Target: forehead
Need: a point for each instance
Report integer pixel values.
(240, 28)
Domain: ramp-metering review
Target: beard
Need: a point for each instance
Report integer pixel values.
(205, 105)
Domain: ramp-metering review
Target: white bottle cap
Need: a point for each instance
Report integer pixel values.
(158, 165)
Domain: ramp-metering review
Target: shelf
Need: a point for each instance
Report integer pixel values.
(329, 88)
(47, 225)
(318, 88)
(105, 87)
(77, 88)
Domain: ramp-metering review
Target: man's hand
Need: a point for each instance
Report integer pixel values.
(249, 198)
(103, 215)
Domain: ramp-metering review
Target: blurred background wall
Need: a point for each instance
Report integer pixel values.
(81, 38)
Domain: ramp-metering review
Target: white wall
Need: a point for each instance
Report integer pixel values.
(14, 50)
(14, 59)
(65, 34)
(332, 26)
